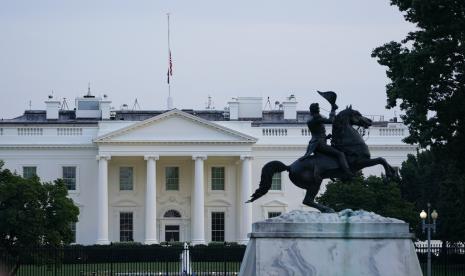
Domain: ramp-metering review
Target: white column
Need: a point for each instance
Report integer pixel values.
(198, 202)
(151, 201)
(102, 198)
(246, 191)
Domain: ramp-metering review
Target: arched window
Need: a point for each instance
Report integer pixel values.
(172, 214)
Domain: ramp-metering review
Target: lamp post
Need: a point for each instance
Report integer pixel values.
(428, 226)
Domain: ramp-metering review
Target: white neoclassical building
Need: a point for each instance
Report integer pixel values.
(170, 175)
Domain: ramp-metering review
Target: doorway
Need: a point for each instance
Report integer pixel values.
(172, 226)
(172, 233)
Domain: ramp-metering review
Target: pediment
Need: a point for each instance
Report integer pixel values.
(173, 127)
(125, 203)
(217, 202)
(275, 203)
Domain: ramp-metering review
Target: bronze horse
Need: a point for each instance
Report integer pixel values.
(308, 173)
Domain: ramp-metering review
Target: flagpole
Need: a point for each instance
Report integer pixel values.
(169, 100)
(169, 47)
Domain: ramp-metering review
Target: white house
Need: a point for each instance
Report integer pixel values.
(182, 175)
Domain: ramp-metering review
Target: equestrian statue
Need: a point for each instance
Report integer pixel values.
(347, 154)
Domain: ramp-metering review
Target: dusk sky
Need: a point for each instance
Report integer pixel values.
(220, 48)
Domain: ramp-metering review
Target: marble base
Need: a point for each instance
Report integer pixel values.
(344, 243)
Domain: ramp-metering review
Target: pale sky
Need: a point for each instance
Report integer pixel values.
(220, 48)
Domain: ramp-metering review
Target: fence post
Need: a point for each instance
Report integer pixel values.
(166, 266)
(224, 258)
(56, 260)
(112, 260)
(445, 250)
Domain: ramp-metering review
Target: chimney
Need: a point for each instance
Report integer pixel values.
(105, 108)
(290, 108)
(233, 110)
(52, 108)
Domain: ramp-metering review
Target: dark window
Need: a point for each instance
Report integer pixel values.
(29, 171)
(126, 227)
(172, 233)
(172, 214)
(276, 182)
(69, 177)
(218, 226)
(218, 178)
(88, 105)
(273, 214)
(172, 178)
(126, 178)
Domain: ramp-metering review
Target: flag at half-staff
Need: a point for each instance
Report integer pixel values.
(169, 73)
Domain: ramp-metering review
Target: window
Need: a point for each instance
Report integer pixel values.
(73, 231)
(88, 105)
(29, 171)
(69, 177)
(126, 227)
(217, 226)
(126, 178)
(273, 214)
(172, 178)
(172, 214)
(276, 182)
(172, 233)
(218, 178)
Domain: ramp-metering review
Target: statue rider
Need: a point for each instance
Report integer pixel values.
(316, 125)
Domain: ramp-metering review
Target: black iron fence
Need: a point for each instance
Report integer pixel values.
(170, 260)
(445, 260)
(130, 260)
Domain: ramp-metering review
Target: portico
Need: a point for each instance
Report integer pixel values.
(186, 178)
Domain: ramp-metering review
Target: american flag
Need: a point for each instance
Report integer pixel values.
(170, 67)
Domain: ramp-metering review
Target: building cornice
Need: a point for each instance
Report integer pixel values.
(50, 124)
(47, 146)
(299, 147)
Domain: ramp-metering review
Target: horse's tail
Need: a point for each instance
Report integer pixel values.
(268, 171)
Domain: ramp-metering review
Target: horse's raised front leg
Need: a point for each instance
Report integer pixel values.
(390, 171)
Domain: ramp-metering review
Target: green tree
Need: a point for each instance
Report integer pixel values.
(427, 80)
(427, 73)
(33, 214)
(431, 177)
(370, 194)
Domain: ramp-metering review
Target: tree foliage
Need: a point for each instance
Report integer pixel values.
(427, 80)
(370, 194)
(427, 73)
(431, 177)
(33, 214)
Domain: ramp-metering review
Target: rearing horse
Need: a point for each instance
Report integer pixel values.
(308, 173)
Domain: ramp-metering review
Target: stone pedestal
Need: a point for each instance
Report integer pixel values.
(345, 243)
